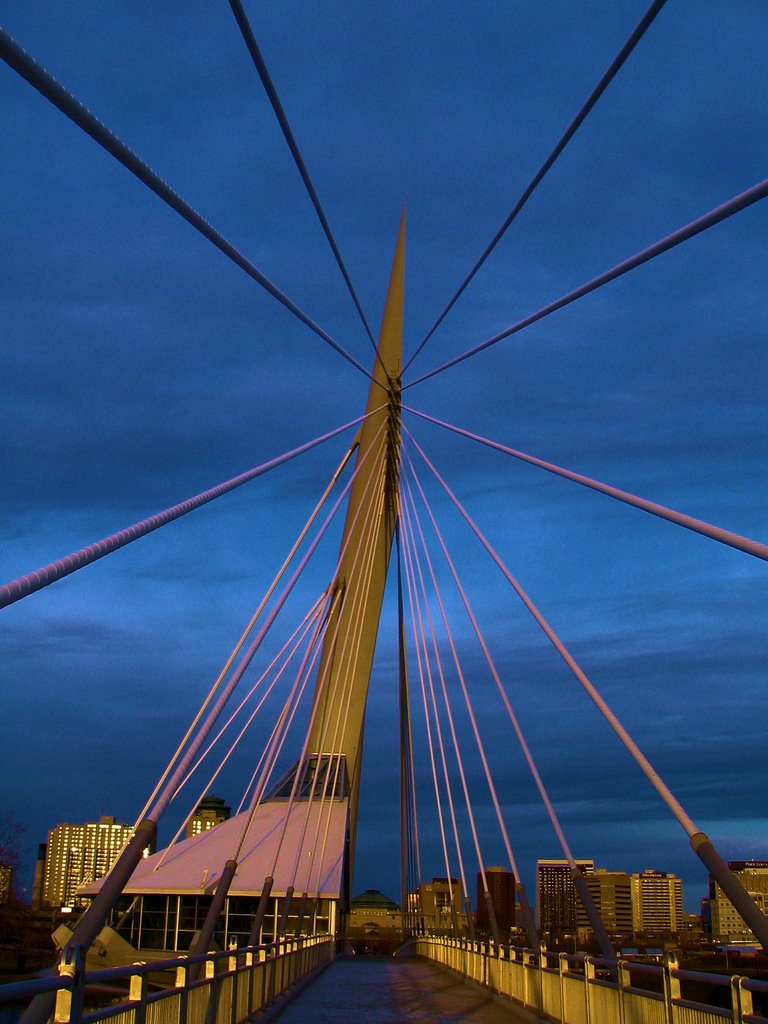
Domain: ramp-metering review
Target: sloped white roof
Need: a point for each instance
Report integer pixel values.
(194, 865)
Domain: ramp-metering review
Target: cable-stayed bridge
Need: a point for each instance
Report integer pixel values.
(271, 887)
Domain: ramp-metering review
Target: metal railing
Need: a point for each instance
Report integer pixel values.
(230, 987)
(578, 989)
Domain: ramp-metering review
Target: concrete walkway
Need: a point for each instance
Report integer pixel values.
(379, 990)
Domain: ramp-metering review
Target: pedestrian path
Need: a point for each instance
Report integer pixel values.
(382, 990)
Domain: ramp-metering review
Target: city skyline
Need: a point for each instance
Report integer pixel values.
(213, 810)
(143, 368)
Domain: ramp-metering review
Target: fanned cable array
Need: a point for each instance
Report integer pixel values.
(454, 788)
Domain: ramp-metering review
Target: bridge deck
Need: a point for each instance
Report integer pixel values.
(379, 990)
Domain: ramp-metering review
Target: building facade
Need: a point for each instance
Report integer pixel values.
(77, 854)
(727, 924)
(611, 892)
(209, 813)
(374, 922)
(657, 902)
(501, 886)
(434, 905)
(556, 897)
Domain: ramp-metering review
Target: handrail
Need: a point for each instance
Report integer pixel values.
(298, 956)
(573, 991)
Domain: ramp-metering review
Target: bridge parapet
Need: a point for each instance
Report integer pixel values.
(578, 989)
(230, 988)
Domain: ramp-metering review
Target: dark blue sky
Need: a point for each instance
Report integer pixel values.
(140, 366)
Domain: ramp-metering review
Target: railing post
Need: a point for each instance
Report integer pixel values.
(744, 997)
(137, 993)
(234, 983)
(623, 982)
(248, 965)
(209, 974)
(270, 971)
(182, 982)
(69, 1001)
(264, 973)
(589, 975)
(562, 969)
(541, 960)
(671, 986)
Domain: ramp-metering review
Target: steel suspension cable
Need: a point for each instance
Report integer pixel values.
(301, 631)
(305, 670)
(205, 935)
(409, 810)
(591, 909)
(52, 90)
(356, 626)
(304, 627)
(408, 507)
(274, 99)
(303, 755)
(419, 641)
(332, 585)
(333, 588)
(352, 637)
(261, 785)
(611, 72)
(700, 842)
(515, 724)
(460, 674)
(302, 678)
(34, 581)
(734, 540)
(708, 220)
(191, 752)
(423, 600)
(236, 650)
(302, 758)
(528, 919)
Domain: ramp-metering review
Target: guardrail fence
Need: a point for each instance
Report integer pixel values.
(229, 988)
(577, 989)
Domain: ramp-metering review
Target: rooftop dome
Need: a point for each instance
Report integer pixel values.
(374, 899)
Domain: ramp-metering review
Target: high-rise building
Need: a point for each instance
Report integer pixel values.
(78, 854)
(727, 923)
(611, 892)
(657, 902)
(555, 894)
(211, 811)
(501, 886)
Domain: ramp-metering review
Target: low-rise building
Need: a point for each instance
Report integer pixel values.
(374, 922)
(434, 905)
